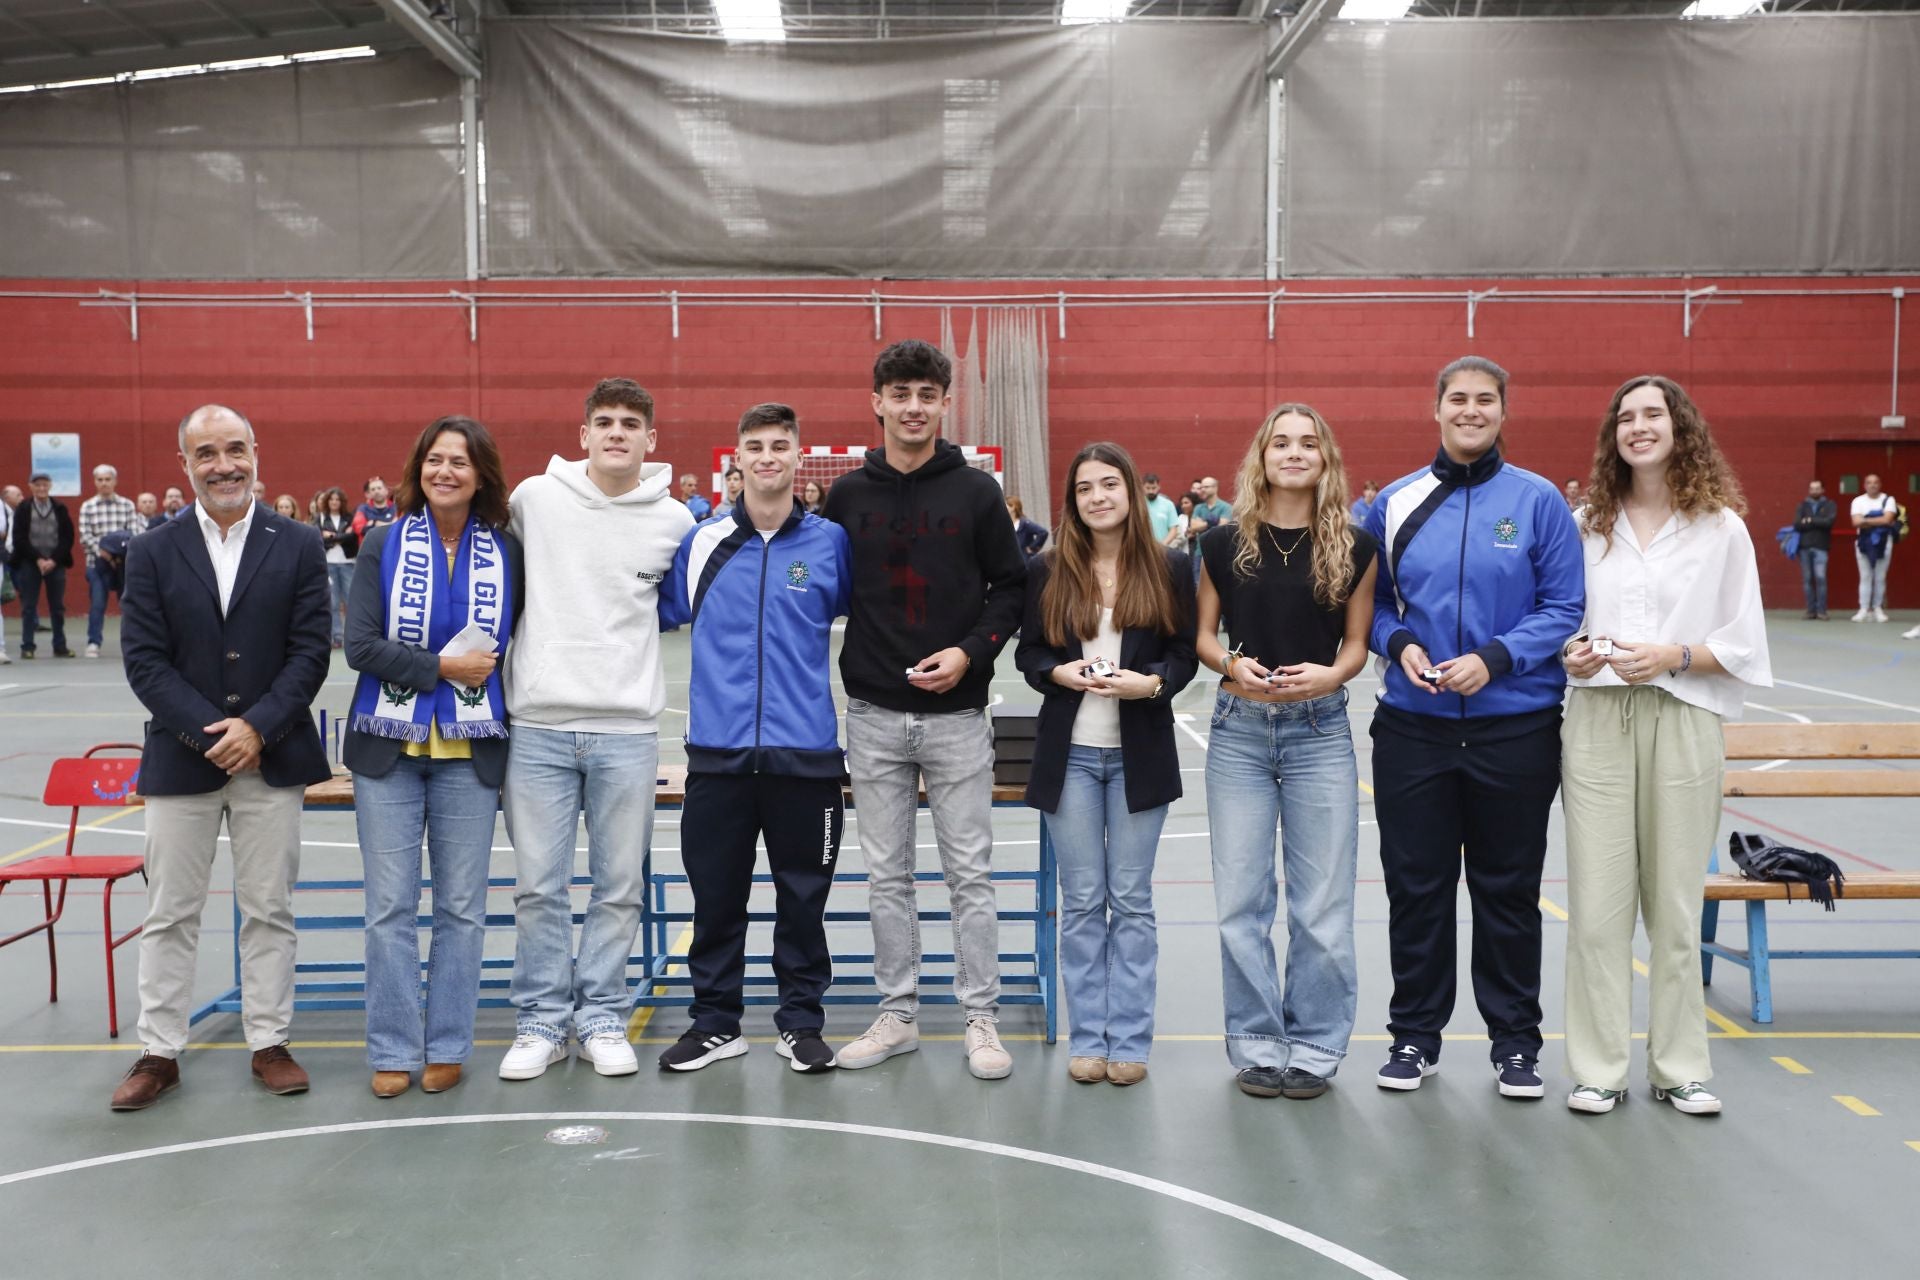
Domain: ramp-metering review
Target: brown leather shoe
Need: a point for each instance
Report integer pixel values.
(145, 1081)
(1126, 1072)
(439, 1077)
(276, 1069)
(391, 1084)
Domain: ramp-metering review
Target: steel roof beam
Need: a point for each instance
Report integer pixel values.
(438, 38)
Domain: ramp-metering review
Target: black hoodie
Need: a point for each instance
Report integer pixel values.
(935, 564)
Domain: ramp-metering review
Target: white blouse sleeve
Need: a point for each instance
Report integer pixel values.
(1739, 636)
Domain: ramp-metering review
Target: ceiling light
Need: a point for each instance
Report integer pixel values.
(1374, 10)
(1721, 8)
(1075, 13)
(750, 19)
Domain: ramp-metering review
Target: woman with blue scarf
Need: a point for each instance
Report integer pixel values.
(432, 604)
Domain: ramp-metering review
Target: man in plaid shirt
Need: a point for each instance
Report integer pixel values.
(100, 515)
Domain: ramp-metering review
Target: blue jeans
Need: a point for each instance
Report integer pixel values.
(1292, 762)
(1813, 579)
(99, 585)
(340, 582)
(442, 801)
(550, 776)
(27, 579)
(1108, 946)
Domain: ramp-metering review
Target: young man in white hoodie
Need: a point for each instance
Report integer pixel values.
(584, 690)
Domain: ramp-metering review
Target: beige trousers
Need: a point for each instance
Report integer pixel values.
(263, 824)
(1640, 784)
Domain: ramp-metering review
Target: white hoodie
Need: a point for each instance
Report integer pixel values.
(585, 656)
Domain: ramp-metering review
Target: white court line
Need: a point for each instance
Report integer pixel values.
(1842, 693)
(1182, 723)
(1173, 1191)
(1791, 715)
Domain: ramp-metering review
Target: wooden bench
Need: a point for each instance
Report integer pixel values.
(1806, 742)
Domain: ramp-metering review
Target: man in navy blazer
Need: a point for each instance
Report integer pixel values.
(225, 634)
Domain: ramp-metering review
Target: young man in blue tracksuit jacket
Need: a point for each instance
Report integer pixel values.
(1481, 584)
(761, 588)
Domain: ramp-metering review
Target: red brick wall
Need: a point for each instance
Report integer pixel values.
(1182, 386)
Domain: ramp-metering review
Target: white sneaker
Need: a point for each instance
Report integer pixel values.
(1879, 615)
(1690, 1098)
(5, 658)
(1859, 617)
(93, 650)
(609, 1053)
(985, 1056)
(1911, 633)
(530, 1057)
(889, 1036)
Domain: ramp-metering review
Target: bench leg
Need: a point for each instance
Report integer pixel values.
(1758, 958)
(1709, 930)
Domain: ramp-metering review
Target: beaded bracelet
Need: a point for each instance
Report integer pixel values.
(1686, 660)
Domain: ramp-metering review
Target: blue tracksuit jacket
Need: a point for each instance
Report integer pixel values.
(761, 700)
(1481, 559)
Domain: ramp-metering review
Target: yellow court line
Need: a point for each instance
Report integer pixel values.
(1854, 1104)
(1732, 1029)
(1555, 910)
(1364, 787)
(1794, 1067)
(61, 838)
(1914, 1145)
(637, 1024)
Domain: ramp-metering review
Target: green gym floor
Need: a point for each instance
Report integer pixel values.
(913, 1168)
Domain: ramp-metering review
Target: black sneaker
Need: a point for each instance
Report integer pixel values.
(1406, 1067)
(695, 1049)
(805, 1051)
(1297, 1082)
(1260, 1082)
(1518, 1079)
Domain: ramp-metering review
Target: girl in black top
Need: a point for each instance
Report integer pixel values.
(1105, 766)
(1293, 581)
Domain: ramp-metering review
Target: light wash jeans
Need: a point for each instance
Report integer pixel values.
(340, 583)
(443, 802)
(1109, 949)
(887, 753)
(1813, 579)
(550, 776)
(1873, 578)
(1292, 762)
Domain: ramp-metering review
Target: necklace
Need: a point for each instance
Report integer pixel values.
(1286, 553)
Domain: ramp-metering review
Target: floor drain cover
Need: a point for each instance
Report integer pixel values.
(577, 1135)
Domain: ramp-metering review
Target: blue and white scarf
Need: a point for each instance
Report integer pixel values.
(426, 610)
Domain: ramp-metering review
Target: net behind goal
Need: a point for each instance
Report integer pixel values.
(826, 463)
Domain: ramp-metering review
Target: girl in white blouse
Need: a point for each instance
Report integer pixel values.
(1674, 637)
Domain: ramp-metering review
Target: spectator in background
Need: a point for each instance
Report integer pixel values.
(259, 490)
(1211, 510)
(1363, 505)
(1873, 516)
(1814, 523)
(1160, 509)
(1030, 534)
(376, 510)
(10, 497)
(1575, 499)
(335, 523)
(690, 494)
(149, 508)
(41, 555)
(287, 505)
(173, 502)
(103, 513)
(735, 482)
(813, 497)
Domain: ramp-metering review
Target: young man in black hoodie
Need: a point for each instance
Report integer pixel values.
(937, 592)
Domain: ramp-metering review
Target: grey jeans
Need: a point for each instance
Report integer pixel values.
(887, 754)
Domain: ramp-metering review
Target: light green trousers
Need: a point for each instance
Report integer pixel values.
(1640, 785)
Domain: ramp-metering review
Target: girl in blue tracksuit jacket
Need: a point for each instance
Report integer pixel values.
(1481, 582)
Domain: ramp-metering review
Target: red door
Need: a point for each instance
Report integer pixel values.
(1842, 466)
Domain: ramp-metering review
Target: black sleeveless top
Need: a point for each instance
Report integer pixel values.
(1271, 615)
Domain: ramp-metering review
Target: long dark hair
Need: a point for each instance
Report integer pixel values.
(1070, 604)
(489, 498)
(324, 504)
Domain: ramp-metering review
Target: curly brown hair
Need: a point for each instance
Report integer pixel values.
(1698, 475)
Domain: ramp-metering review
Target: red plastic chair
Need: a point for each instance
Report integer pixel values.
(83, 782)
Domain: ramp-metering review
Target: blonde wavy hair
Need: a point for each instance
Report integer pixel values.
(1332, 530)
(1698, 475)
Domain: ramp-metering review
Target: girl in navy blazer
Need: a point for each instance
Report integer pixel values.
(1108, 638)
(427, 743)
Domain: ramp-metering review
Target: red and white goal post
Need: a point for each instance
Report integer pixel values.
(828, 462)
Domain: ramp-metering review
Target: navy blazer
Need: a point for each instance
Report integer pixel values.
(1148, 755)
(264, 661)
(396, 662)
